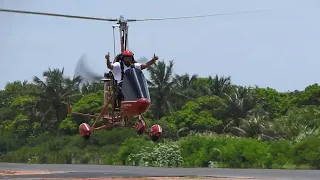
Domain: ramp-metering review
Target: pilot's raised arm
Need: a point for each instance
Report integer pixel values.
(109, 65)
(149, 63)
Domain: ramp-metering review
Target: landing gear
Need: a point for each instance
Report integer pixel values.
(140, 126)
(85, 131)
(154, 132)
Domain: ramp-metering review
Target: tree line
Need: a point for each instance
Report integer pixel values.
(34, 119)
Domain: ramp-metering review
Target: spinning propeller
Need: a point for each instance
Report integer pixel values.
(88, 75)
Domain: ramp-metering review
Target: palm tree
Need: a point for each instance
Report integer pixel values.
(220, 85)
(184, 84)
(52, 106)
(216, 86)
(240, 102)
(91, 88)
(298, 122)
(256, 125)
(161, 88)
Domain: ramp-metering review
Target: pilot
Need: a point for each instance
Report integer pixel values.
(127, 60)
(124, 61)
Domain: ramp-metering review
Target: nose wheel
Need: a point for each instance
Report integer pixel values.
(155, 131)
(140, 126)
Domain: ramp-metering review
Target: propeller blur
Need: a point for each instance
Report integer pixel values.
(88, 75)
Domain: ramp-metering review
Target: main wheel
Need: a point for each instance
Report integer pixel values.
(85, 130)
(140, 126)
(155, 132)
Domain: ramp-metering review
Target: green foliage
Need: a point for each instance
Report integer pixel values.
(159, 155)
(206, 121)
(199, 114)
(68, 126)
(91, 103)
(310, 96)
(298, 123)
(272, 101)
(308, 152)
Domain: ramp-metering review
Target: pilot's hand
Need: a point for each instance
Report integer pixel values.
(155, 57)
(107, 56)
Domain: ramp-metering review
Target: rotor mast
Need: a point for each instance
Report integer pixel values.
(123, 28)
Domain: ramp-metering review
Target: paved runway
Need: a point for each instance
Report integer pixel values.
(95, 171)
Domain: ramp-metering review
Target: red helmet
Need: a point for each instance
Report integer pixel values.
(127, 53)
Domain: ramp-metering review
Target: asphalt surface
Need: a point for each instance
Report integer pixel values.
(95, 171)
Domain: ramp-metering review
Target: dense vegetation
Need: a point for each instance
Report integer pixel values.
(207, 122)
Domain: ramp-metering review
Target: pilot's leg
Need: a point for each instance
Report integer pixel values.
(120, 95)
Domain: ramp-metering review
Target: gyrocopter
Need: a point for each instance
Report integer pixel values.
(135, 98)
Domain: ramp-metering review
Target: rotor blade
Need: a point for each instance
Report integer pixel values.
(199, 16)
(83, 70)
(56, 15)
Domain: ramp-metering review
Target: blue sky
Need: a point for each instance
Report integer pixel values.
(275, 48)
